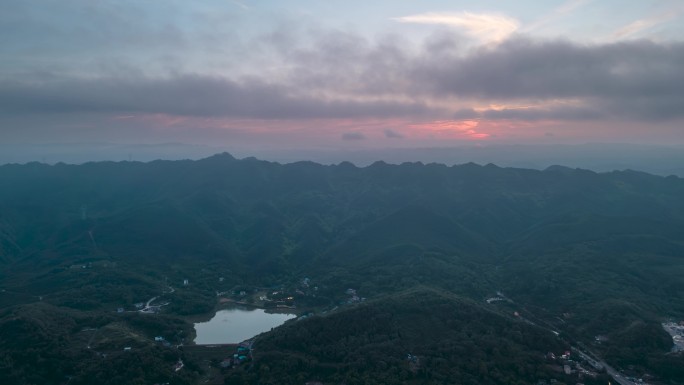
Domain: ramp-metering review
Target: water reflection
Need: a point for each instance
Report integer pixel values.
(236, 325)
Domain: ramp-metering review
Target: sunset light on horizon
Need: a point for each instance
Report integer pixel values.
(265, 74)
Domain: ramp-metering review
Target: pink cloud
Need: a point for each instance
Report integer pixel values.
(327, 133)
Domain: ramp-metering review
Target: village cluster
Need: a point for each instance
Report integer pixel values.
(571, 364)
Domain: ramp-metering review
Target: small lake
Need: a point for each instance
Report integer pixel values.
(236, 325)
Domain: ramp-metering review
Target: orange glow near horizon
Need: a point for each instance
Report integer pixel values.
(373, 131)
(460, 128)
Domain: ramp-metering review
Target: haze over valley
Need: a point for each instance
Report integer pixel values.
(327, 193)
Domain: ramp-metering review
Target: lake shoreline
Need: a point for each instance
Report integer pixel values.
(235, 323)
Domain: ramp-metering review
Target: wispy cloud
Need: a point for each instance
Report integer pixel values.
(240, 4)
(482, 26)
(563, 10)
(640, 25)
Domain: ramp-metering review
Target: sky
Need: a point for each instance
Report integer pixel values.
(258, 76)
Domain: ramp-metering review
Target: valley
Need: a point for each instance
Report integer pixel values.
(407, 273)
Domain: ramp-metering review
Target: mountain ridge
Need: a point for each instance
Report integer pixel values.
(565, 243)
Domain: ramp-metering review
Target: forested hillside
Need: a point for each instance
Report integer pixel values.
(586, 253)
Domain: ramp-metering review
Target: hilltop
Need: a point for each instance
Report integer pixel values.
(587, 253)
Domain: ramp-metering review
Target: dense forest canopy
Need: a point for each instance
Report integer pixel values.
(572, 250)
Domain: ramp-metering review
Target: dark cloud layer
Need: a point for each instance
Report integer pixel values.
(342, 75)
(559, 69)
(634, 79)
(188, 95)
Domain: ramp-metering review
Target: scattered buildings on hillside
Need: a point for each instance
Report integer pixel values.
(240, 355)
